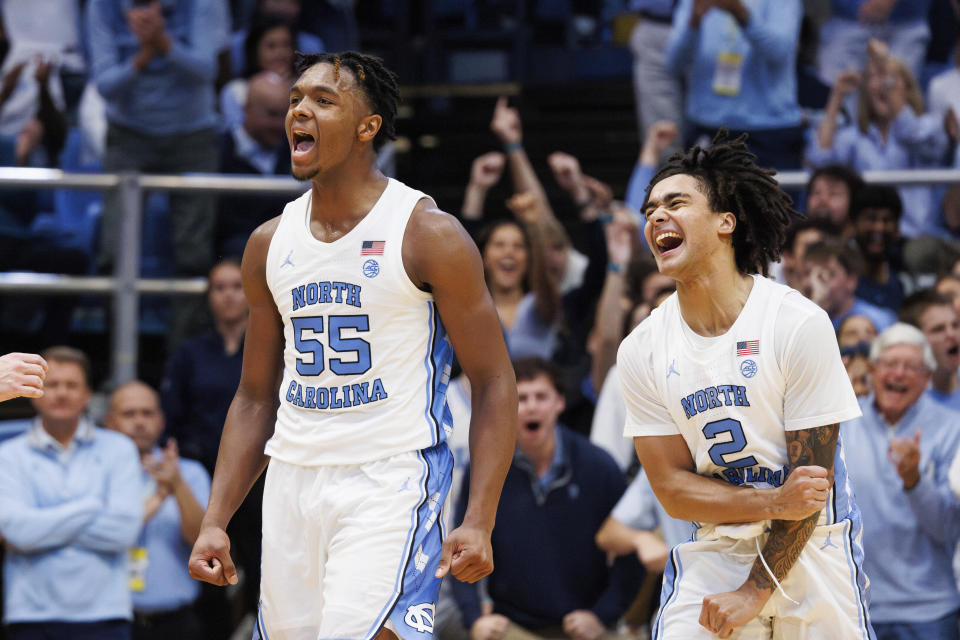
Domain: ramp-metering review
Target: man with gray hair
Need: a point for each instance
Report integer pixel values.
(898, 454)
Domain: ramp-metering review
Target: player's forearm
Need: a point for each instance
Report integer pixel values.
(525, 179)
(240, 460)
(689, 496)
(816, 446)
(493, 433)
(781, 551)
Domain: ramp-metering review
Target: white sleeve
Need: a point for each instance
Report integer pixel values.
(818, 391)
(646, 413)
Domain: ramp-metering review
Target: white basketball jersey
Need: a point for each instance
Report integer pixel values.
(734, 396)
(366, 359)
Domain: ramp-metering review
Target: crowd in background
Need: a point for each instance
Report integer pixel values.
(202, 86)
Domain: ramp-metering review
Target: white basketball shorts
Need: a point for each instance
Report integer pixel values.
(827, 582)
(348, 548)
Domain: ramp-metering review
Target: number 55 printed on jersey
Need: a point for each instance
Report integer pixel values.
(736, 444)
(305, 338)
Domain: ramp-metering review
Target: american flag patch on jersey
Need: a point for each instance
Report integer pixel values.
(372, 248)
(748, 348)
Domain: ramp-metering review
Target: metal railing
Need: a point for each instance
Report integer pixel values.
(125, 287)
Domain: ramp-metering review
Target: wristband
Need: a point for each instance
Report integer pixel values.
(512, 146)
(613, 267)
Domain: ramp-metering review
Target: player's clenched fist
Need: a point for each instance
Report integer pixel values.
(467, 554)
(804, 493)
(21, 374)
(722, 613)
(210, 560)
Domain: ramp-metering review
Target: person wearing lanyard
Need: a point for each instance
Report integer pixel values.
(176, 495)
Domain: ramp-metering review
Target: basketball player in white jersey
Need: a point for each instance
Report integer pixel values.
(734, 390)
(358, 294)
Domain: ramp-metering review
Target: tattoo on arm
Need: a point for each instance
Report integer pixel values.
(787, 538)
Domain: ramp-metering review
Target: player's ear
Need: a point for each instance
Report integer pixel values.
(727, 223)
(368, 128)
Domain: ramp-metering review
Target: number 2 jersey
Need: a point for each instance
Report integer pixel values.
(366, 359)
(733, 397)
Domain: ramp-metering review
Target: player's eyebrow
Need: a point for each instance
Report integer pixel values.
(313, 88)
(667, 197)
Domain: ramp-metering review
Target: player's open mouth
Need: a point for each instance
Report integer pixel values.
(532, 426)
(302, 141)
(896, 388)
(954, 350)
(668, 241)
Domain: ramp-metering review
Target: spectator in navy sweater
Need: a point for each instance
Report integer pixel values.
(550, 578)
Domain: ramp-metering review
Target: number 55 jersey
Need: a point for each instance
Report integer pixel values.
(366, 359)
(733, 397)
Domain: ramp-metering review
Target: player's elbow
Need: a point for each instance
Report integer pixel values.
(604, 536)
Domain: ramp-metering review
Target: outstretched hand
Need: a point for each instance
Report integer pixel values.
(210, 559)
(467, 554)
(21, 374)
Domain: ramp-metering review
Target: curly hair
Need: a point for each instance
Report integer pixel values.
(731, 180)
(379, 84)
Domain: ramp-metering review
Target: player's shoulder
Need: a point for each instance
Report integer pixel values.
(793, 307)
(430, 222)
(797, 310)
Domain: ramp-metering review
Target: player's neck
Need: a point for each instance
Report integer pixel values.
(337, 205)
(710, 304)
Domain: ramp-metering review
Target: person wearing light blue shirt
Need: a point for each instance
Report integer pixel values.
(741, 73)
(898, 457)
(176, 491)
(901, 24)
(71, 507)
(155, 65)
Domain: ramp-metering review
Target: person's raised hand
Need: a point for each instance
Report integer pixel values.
(904, 453)
(660, 135)
(487, 169)
(566, 171)
(506, 123)
(846, 83)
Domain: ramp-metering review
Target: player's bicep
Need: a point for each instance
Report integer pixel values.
(449, 263)
(813, 446)
(666, 461)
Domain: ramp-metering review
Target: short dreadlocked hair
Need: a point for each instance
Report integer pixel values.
(379, 84)
(731, 180)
